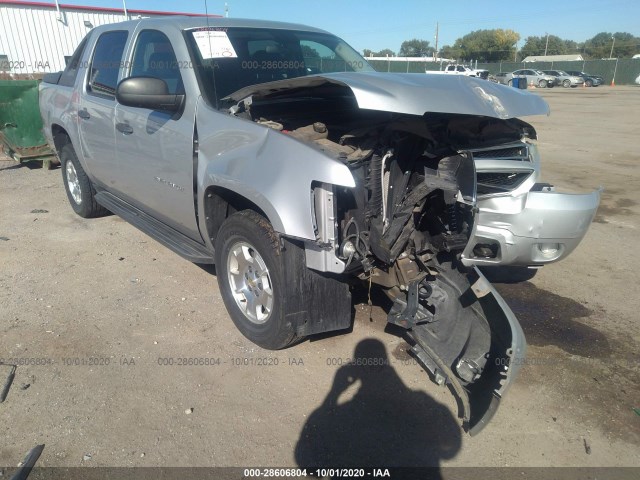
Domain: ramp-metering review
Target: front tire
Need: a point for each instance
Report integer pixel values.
(80, 190)
(250, 270)
(566, 83)
(588, 83)
(542, 83)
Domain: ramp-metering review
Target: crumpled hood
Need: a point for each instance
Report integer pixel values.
(416, 94)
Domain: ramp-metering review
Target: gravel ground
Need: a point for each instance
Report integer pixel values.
(97, 309)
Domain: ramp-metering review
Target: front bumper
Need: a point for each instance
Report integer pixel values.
(538, 227)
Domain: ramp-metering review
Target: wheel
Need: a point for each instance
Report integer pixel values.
(542, 83)
(510, 83)
(588, 83)
(566, 83)
(80, 191)
(250, 270)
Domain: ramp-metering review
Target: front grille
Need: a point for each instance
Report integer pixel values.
(497, 182)
(520, 153)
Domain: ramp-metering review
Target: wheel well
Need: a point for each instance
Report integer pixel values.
(220, 203)
(60, 137)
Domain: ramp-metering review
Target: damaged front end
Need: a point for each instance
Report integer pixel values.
(406, 223)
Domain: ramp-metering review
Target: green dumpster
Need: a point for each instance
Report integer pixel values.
(20, 122)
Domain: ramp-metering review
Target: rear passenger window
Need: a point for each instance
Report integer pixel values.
(154, 57)
(68, 77)
(106, 62)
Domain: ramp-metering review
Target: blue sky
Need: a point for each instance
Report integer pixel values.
(378, 24)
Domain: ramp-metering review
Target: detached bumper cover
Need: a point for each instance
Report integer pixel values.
(475, 328)
(535, 228)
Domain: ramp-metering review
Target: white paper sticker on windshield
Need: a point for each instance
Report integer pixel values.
(214, 44)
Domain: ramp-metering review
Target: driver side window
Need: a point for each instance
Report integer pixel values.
(154, 57)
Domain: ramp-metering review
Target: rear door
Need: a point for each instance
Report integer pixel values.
(155, 148)
(97, 107)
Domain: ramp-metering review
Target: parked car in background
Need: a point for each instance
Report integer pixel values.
(501, 77)
(535, 77)
(589, 80)
(461, 70)
(564, 79)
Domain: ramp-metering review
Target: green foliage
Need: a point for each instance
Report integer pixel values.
(496, 45)
(626, 45)
(309, 52)
(381, 53)
(536, 46)
(486, 45)
(415, 48)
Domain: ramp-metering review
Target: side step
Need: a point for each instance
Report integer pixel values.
(169, 237)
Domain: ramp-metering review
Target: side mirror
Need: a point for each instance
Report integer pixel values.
(147, 92)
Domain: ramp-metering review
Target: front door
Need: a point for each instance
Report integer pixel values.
(155, 148)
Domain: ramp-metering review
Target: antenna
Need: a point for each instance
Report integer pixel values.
(213, 66)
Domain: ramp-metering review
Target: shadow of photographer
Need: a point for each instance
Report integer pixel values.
(383, 424)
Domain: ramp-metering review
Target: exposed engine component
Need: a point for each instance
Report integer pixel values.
(404, 227)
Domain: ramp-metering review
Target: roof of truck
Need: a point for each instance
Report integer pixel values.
(185, 23)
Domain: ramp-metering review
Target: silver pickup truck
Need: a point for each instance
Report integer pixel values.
(275, 152)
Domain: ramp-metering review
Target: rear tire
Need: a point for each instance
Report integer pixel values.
(80, 190)
(250, 271)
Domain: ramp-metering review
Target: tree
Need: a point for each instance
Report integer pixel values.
(535, 46)
(415, 48)
(381, 53)
(600, 45)
(309, 52)
(487, 45)
(450, 52)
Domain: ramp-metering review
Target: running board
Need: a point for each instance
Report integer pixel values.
(169, 237)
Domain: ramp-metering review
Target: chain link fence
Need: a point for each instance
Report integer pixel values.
(626, 70)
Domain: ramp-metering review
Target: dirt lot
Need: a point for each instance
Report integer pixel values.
(102, 294)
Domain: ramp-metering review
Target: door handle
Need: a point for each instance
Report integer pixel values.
(84, 114)
(124, 128)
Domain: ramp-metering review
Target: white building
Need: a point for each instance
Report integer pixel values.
(38, 37)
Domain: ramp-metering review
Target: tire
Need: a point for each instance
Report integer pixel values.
(250, 271)
(588, 83)
(566, 83)
(80, 190)
(510, 83)
(542, 83)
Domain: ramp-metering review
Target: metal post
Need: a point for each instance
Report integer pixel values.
(124, 5)
(615, 69)
(546, 46)
(612, 44)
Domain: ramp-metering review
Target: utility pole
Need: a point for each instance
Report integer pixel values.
(435, 54)
(546, 45)
(126, 14)
(226, 10)
(611, 52)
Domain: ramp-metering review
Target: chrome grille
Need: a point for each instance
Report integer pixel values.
(497, 182)
(520, 153)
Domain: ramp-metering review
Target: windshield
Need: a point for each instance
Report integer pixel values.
(228, 59)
